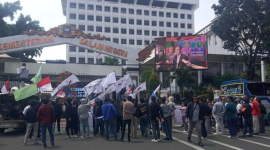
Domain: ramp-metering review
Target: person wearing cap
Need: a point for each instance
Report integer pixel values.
(256, 113)
(217, 113)
(109, 115)
(230, 114)
(24, 73)
(194, 116)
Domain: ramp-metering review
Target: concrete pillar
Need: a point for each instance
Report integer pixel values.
(199, 77)
(222, 68)
(263, 70)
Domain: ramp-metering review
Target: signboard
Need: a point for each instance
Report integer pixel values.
(232, 89)
(184, 51)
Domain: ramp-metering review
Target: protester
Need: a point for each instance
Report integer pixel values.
(24, 72)
(119, 115)
(75, 119)
(47, 116)
(99, 123)
(166, 109)
(69, 117)
(83, 114)
(58, 113)
(247, 115)
(26, 124)
(156, 115)
(134, 120)
(92, 110)
(239, 116)
(230, 114)
(183, 112)
(217, 113)
(208, 119)
(172, 115)
(142, 116)
(109, 114)
(147, 102)
(261, 119)
(256, 113)
(206, 113)
(128, 108)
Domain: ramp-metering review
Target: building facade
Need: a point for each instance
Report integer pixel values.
(134, 23)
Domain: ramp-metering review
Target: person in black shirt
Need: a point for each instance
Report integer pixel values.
(58, 113)
(261, 118)
(75, 119)
(99, 123)
(156, 115)
(142, 116)
(69, 117)
(246, 112)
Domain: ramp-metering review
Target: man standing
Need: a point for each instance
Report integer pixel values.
(208, 119)
(119, 115)
(217, 113)
(58, 113)
(155, 112)
(206, 113)
(24, 72)
(69, 117)
(263, 112)
(83, 115)
(256, 113)
(239, 117)
(47, 116)
(142, 116)
(177, 61)
(166, 109)
(246, 112)
(183, 112)
(194, 113)
(230, 114)
(99, 123)
(128, 107)
(134, 119)
(109, 114)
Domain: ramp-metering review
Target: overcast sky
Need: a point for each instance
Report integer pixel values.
(50, 14)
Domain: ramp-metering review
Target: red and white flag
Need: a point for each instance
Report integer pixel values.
(72, 79)
(129, 90)
(44, 85)
(99, 55)
(5, 88)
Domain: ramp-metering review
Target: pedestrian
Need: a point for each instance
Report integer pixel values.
(92, 110)
(217, 113)
(134, 120)
(142, 116)
(47, 116)
(208, 119)
(247, 115)
(128, 108)
(205, 115)
(99, 123)
(109, 115)
(183, 112)
(24, 73)
(119, 115)
(256, 113)
(58, 113)
(69, 117)
(194, 114)
(156, 115)
(230, 115)
(263, 113)
(75, 119)
(83, 114)
(25, 121)
(166, 109)
(173, 108)
(239, 107)
(149, 128)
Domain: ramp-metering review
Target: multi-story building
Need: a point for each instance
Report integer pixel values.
(133, 23)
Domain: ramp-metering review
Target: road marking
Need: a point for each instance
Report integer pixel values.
(186, 143)
(213, 141)
(253, 142)
(259, 136)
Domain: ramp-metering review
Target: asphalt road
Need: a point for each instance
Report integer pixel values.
(12, 140)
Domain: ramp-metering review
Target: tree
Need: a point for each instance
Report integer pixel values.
(108, 60)
(219, 79)
(146, 74)
(24, 23)
(153, 82)
(243, 25)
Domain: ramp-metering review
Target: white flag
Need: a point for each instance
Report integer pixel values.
(142, 87)
(123, 82)
(67, 82)
(157, 89)
(110, 79)
(88, 89)
(110, 89)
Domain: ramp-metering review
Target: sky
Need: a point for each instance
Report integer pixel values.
(49, 13)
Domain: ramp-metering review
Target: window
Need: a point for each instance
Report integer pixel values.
(91, 60)
(115, 9)
(154, 33)
(124, 31)
(107, 9)
(146, 22)
(72, 59)
(161, 33)
(72, 48)
(175, 25)
(139, 22)
(107, 29)
(115, 20)
(161, 24)
(81, 27)
(175, 34)
(146, 42)
(72, 5)
(81, 17)
(98, 29)
(139, 42)
(168, 24)
(131, 31)
(183, 34)
(175, 15)
(169, 34)
(123, 20)
(139, 12)
(90, 17)
(123, 41)
(124, 62)
(154, 23)
(81, 6)
(89, 51)
(115, 30)
(131, 42)
(90, 7)
(189, 16)
(131, 21)
(182, 16)
(82, 50)
(161, 14)
(123, 10)
(131, 11)
(154, 13)
(90, 28)
(168, 14)
(189, 33)
(146, 32)
(189, 26)
(146, 12)
(81, 60)
(98, 61)
(108, 39)
(107, 19)
(183, 25)
(139, 32)
(99, 8)
(73, 25)
(99, 18)
(115, 40)
(72, 16)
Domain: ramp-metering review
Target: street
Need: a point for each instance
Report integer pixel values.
(12, 140)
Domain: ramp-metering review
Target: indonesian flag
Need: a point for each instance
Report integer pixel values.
(98, 56)
(64, 92)
(140, 88)
(44, 85)
(72, 79)
(5, 88)
(129, 90)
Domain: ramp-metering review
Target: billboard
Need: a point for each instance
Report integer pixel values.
(185, 51)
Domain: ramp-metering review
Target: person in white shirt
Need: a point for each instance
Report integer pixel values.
(177, 61)
(239, 117)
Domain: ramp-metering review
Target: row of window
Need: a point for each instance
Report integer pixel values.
(131, 11)
(90, 61)
(73, 49)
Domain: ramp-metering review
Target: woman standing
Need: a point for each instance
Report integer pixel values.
(183, 112)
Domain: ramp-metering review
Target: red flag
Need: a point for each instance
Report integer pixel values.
(5, 88)
(44, 84)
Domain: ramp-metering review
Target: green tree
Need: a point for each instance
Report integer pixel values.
(219, 79)
(243, 25)
(153, 82)
(108, 60)
(145, 75)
